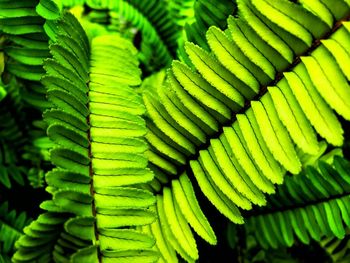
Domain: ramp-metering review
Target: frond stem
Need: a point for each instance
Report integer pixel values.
(91, 174)
(257, 212)
(263, 90)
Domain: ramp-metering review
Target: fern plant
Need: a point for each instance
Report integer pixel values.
(240, 121)
(98, 154)
(242, 102)
(11, 225)
(302, 211)
(337, 248)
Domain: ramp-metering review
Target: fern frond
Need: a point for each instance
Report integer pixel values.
(338, 249)
(40, 238)
(182, 11)
(206, 14)
(12, 127)
(157, 13)
(146, 16)
(26, 47)
(13, 136)
(10, 169)
(99, 152)
(253, 105)
(24, 27)
(11, 228)
(21, 145)
(312, 204)
(36, 151)
(159, 32)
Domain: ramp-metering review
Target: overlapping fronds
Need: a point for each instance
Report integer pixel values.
(206, 14)
(11, 115)
(252, 252)
(40, 238)
(151, 18)
(157, 28)
(254, 98)
(99, 155)
(251, 109)
(19, 141)
(37, 152)
(10, 169)
(11, 228)
(12, 136)
(22, 93)
(338, 249)
(24, 27)
(157, 13)
(310, 205)
(182, 11)
(26, 47)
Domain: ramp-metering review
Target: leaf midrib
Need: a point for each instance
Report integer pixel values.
(272, 210)
(263, 90)
(91, 174)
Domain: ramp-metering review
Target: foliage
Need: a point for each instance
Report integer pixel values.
(297, 209)
(138, 117)
(11, 227)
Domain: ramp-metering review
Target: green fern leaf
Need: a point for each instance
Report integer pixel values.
(265, 89)
(157, 28)
(26, 47)
(304, 211)
(205, 14)
(338, 249)
(98, 154)
(182, 12)
(11, 228)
